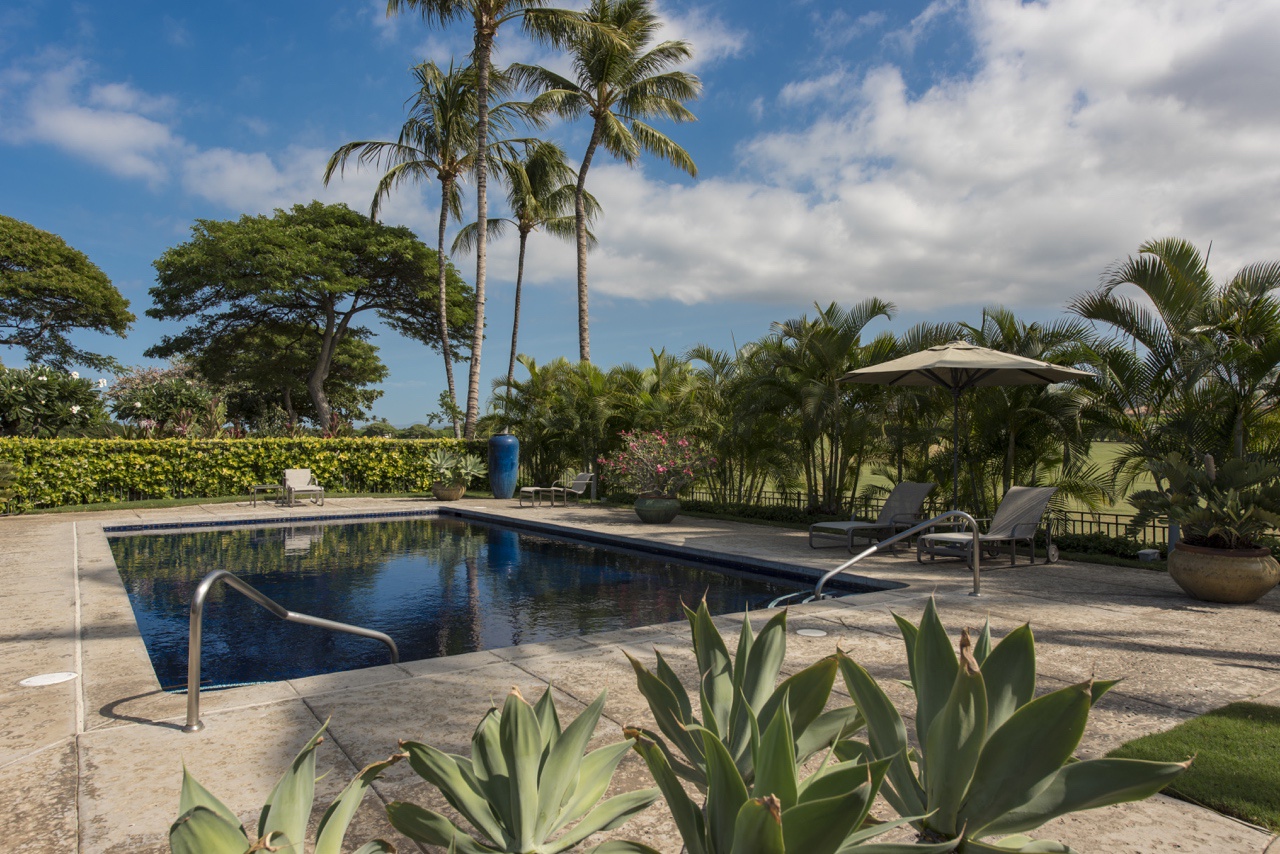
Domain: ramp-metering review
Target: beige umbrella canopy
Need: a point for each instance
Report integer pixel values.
(959, 365)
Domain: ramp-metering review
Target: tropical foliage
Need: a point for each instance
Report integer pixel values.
(654, 464)
(45, 402)
(1229, 506)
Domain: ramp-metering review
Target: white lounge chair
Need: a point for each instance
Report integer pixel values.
(1017, 520)
(301, 482)
(576, 487)
(901, 510)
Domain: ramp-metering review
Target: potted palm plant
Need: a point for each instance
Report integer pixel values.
(451, 472)
(1224, 513)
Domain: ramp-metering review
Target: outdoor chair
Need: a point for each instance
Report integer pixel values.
(1017, 520)
(533, 494)
(901, 510)
(301, 482)
(576, 487)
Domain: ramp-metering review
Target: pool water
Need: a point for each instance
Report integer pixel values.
(438, 586)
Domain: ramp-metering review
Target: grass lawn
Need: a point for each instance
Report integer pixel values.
(1237, 760)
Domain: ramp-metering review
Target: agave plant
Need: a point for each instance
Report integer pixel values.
(993, 760)
(1232, 506)
(739, 699)
(525, 781)
(207, 826)
(777, 812)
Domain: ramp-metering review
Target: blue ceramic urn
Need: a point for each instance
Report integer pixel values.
(504, 464)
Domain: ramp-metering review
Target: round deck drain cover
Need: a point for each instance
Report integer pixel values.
(47, 679)
(811, 633)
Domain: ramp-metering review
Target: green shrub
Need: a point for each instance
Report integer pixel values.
(60, 472)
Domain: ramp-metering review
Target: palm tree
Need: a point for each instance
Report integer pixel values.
(1209, 353)
(488, 16)
(540, 193)
(619, 83)
(437, 141)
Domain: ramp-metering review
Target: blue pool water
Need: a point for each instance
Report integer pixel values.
(437, 585)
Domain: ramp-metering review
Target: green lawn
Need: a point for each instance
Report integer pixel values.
(1237, 760)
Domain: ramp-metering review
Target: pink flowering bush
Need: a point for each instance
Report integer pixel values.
(656, 464)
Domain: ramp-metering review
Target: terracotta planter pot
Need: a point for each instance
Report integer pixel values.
(1235, 577)
(448, 491)
(657, 511)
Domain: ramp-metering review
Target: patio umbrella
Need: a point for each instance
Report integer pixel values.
(959, 365)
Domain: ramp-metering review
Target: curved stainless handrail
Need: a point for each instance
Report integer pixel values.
(950, 514)
(194, 723)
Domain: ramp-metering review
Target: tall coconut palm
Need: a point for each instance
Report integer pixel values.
(541, 189)
(488, 16)
(618, 83)
(437, 141)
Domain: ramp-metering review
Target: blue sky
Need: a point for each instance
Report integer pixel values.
(944, 155)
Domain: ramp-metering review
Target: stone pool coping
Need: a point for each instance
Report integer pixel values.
(94, 764)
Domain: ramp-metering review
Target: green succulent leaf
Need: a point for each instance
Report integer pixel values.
(955, 743)
(910, 633)
(442, 771)
(671, 715)
(200, 830)
(522, 749)
(593, 781)
(726, 791)
(379, 846)
(714, 669)
(559, 773)
(195, 795)
(548, 719)
(1020, 844)
(775, 762)
(610, 814)
(807, 692)
(886, 736)
(764, 662)
(935, 671)
(427, 826)
(982, 646)
(288, 807)
(669, 678)
(1086, 785)
(686, 814)
(489, 766)
(333, 824)
(1010, 675)
(758, 828)
(1022, 754)
(621, 846)
(827, 729)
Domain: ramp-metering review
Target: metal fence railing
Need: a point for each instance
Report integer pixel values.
(1064, 521)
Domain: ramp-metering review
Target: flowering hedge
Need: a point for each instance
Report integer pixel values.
(59, 472)
(655, 463)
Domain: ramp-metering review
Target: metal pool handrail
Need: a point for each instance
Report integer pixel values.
(234, 581)
(950, 514)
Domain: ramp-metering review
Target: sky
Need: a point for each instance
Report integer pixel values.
(944, 155)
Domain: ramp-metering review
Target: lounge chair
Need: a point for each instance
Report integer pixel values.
(901, 510)
(576, 487)
(301, 482)
(1017, 520)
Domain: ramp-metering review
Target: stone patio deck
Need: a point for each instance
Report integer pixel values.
(94, 764)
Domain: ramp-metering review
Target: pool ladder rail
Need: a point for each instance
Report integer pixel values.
(971, 523)
(194, 724)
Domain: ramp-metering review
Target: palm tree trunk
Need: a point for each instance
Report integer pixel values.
(446, 187)
(515, 323)
(483, 56)
(580, 223)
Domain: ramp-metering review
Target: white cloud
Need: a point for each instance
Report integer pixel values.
(710, 37)
(1085, 128)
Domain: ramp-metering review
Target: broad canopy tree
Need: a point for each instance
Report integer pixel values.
(47, 291)
(319, 265)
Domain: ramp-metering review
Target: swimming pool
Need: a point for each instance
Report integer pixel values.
(438, 585)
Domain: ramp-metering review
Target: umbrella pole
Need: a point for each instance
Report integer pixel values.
(955, 448)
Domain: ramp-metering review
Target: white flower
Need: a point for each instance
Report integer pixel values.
(137, 406)
(42, 378)
(74, 410)
(75, 375)
(102, 383)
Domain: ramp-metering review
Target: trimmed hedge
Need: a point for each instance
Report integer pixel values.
(61, 472)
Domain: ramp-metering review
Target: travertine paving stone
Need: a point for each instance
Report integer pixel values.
(95, 764)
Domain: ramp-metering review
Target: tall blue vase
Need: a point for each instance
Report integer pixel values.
(504, 464)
